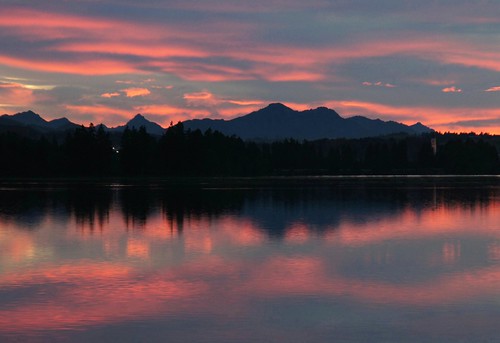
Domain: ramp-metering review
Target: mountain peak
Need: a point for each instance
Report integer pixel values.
(322, 110)
(277, 106)
(61, 123)
(139, 120)
(419, 128)
(29, 118)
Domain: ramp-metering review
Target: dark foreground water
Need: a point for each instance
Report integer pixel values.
(312, 260)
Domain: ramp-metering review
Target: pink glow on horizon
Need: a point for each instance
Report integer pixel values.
(440, 119)
(100, 113)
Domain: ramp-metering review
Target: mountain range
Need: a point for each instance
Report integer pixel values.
(273, 122)
(278, 121)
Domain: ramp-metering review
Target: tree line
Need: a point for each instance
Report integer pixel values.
(91, 151)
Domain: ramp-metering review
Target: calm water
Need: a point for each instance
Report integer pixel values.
(316, 260)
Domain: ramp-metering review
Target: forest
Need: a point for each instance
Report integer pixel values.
(93, 152)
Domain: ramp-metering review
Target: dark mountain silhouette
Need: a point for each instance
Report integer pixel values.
(140, 121)
(273, 122)
(278, 121)
(420, 128)
(62, 124)
(29, 118)
(7, 124)
(6, 120)
(35, 123)
(32, 123)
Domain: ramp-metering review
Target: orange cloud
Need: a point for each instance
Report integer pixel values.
(133, 92)
(110, 95)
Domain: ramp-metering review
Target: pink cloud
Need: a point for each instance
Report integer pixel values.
(436, 82)
(246, 102)
(493, 89)
(159, 42)
(137, 49)
(15, 94)
(81, 67)
(452, 89)
(203, 98)
(378, 84)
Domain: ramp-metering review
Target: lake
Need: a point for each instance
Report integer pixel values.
(251, 260)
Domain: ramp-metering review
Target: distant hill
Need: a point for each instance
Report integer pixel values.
(278, 121)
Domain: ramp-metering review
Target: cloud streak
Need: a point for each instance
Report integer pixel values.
(493, 89)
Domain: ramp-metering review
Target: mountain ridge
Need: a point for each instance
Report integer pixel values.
(273, 122)
(277, 121)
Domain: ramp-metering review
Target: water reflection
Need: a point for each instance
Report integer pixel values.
(326, 260)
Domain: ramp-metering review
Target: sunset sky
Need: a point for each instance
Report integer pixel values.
(434, 61)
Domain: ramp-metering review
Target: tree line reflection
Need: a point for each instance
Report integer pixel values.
(273, 206)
